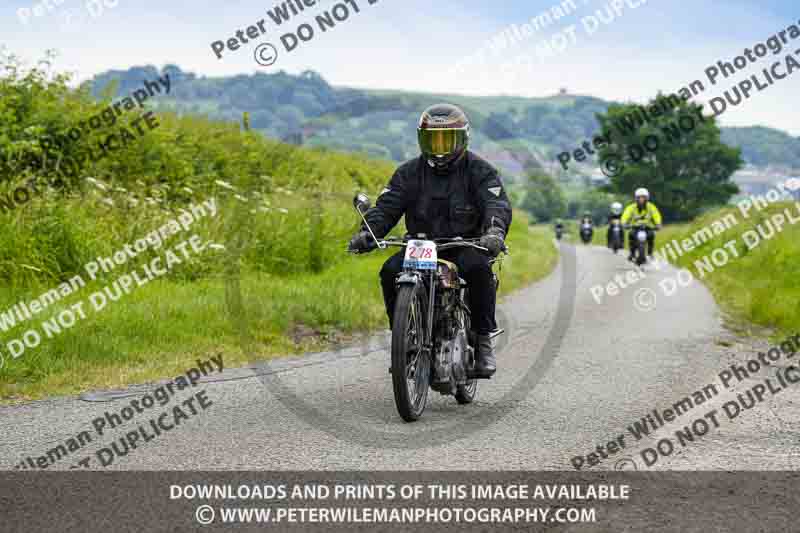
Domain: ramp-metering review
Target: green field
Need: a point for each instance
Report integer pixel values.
(161, 327)
(759, 288)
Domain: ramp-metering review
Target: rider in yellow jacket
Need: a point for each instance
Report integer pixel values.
(642, 213)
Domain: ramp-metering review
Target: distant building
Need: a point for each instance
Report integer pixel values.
(758, 181)
(562, 91)
(598, 179)
(795, 183)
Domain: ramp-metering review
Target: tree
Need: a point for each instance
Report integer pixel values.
(543, 197)
(597, 203)
(673, 150)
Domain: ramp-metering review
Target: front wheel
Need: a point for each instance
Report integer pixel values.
(641, 256)
(411, 366)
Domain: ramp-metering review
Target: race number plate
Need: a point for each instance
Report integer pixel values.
(641, 235)
(420, 255)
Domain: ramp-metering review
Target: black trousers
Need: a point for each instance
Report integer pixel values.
(473, 267)
(651, 239)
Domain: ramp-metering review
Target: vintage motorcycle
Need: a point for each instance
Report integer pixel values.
(617, 241)
(432, 341)
(587, 231)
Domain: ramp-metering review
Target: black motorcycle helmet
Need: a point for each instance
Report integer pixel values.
(443, 135)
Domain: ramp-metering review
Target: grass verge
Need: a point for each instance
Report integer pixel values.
(761, 286)
(159, 329)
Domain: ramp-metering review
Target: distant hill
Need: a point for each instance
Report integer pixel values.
(765, 146)
(515, 132)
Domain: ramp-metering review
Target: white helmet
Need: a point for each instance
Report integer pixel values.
(641, 191)
(616, 208)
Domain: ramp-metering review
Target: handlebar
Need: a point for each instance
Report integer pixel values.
(457, 242)
(626, 227)
(446, 245)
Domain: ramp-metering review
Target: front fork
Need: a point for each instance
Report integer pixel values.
(428, 345)
(417, 278)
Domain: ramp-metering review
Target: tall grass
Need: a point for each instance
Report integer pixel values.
(761, 286)
(294, 273)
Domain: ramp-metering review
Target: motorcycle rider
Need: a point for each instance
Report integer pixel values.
(614, 215)
(587, 219)
(642, 212)
(559, 226)
(448, 191)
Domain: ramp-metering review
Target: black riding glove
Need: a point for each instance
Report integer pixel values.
(361, 242)
(494, 241)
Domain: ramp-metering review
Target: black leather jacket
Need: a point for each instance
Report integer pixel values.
(464, 202)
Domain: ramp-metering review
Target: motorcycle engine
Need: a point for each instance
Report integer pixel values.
(450, 363)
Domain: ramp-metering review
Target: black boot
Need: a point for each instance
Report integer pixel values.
(485, 361)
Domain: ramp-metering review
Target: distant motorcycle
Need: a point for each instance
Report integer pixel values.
(559, 232)
(640, 245)
(433, 344)
(587, 231)
(617, 240)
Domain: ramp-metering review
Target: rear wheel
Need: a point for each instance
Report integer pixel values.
(411, 367)
(466, 393)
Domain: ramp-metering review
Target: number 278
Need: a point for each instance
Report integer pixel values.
(420, 253)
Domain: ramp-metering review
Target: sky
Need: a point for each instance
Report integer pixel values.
(629, 54)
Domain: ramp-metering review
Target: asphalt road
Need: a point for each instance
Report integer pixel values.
(573, 374)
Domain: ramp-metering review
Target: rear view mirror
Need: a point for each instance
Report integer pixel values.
(361, 202)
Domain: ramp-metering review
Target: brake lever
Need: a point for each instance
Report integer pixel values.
(355, 251)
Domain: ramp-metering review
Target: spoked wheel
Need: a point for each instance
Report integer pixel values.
(466, 393)
(641, 258)
(411, 367)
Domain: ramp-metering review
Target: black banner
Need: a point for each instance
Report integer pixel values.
(399, 501)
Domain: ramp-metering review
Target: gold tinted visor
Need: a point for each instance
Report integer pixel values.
(441, 141)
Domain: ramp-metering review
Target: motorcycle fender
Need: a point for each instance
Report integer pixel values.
(407, 278)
